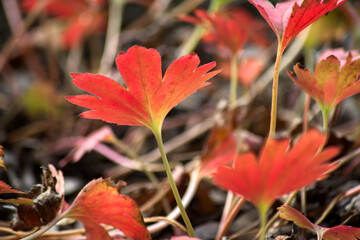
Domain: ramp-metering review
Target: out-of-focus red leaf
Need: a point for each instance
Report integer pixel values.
(235, 22)
(219, 26)
(80, 26)
(100, 202)
(249, 69)
(63, 8)
(81, 17)
(334, 233)
(278, 170)
(148, 96)
(4, 188)
(256, 29)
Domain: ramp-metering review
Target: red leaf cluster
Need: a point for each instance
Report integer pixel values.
(81, 17)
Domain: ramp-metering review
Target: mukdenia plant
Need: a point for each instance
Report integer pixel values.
(148, 96)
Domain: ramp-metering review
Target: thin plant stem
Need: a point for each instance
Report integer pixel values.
(17, 234)
(230, 218)
(263, 219)
(112, 35)
(276, 216)
(325, 115)
(227, 206)
(158, 137)
(152, 177)
(189, 194)
(303, 200)
(275, 89)
(172, 222)
(233, 81)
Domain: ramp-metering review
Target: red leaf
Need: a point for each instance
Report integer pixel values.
(289, 18)
(148, 97)
(334, 233)
(221, 26)
(235, 22)
(278, 170)
(100, 202)
(341, 232)
(4, 188)
(80, 26)
(330, 84)
(291, 214)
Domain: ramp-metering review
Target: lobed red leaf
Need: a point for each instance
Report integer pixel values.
(279, 169)
(332, 82)
(148, 97)
(100, 202)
